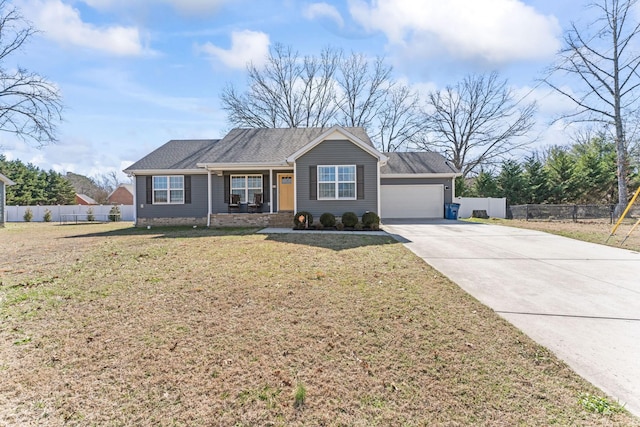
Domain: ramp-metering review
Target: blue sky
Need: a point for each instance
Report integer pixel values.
(135, 74)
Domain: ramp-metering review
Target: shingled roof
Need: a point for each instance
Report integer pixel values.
(241, 146)
(416, 163)
(175, 154)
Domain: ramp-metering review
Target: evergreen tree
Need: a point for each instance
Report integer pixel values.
(486, 185)
(512, 183)
(595, 171)
(560, 167)
(537, 180)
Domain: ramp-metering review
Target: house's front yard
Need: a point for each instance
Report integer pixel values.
(108, 325)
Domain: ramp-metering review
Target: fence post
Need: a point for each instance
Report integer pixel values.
(575, 213)
(526, 213)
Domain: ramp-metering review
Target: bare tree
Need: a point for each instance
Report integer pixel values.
(478, 122)
(30, 106)
(604, 66)
(288, 92)
(291, 91)
(400, 123)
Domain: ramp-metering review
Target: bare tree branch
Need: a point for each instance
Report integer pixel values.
(477, 122)
(606, 67)
(30, 106)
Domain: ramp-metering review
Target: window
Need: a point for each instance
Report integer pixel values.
(168, 189)
(246, 186)
(337, 182)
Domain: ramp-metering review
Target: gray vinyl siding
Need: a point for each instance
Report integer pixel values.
(446, 182)
(2, 202)
(337, 152)
(196, 209)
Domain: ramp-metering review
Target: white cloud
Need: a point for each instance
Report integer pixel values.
(323, 10)
(63, 24)
(491, 31)
(246, 46)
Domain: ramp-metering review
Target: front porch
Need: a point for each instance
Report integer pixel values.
(226, 220)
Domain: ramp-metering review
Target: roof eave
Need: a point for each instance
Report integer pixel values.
(420, 175)
(243, 166)
(6, 180)
(164, 171)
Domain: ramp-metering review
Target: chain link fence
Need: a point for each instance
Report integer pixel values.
(566, 212)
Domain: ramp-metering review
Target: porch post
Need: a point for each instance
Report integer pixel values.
(295, 187)
(208, 197)
(135, 201)
(271, 190)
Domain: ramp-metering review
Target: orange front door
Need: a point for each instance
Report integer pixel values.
(285, 192)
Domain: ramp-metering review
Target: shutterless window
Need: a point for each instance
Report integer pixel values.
(168, 189)
(337, 182)
(246, 186)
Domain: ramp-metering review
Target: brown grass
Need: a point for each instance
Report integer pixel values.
(594, 231)
(109, 325)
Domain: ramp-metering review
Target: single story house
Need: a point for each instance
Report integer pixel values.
(123, 195)
(276, 172)
(4, 183)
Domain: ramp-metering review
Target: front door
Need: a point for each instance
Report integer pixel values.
(285, 192)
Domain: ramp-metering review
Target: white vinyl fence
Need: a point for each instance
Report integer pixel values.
(67, 213)
(495, 207)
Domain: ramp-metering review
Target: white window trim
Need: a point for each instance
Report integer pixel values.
(337, 182)
(246, 186)
(168, 189)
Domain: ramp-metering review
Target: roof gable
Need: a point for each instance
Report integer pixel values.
(6, 180)
(338, 132)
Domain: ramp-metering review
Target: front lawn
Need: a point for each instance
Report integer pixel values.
(103, 324)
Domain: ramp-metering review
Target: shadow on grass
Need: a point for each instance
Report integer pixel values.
(336, 242)
(168, 232)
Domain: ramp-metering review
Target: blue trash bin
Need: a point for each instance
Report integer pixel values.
(451, 210)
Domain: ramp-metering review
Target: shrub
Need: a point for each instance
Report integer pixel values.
(303, 219)
(339, 226)
(114, 214)
(28, 215)
(369, 219)
(349, 219)
(358, 226)
(47, 215)
(328, 219)
(90, 215)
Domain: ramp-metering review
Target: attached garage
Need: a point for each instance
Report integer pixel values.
(412, 201)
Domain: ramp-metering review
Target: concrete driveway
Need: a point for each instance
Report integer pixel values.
(580, 300)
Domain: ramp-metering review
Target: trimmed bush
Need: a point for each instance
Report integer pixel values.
(90, 215)
(339, 226)
(114, 214)
(328, 219)
(358, 226)
(303, 219)
(47, 215)
(370, 219)
(349, 219)
(28, 215)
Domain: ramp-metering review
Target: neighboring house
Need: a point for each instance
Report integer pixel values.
(4, 183)
(123, 195)
(318, 170)
(83, 199)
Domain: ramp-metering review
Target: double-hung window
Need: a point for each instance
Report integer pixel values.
(168, 189)
(337, 182)
(246, 186)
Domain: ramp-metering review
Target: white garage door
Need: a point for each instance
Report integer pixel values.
(412, 201)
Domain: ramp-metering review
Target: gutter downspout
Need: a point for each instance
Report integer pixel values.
(208, 197)
(135, 200)
(378, 201)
